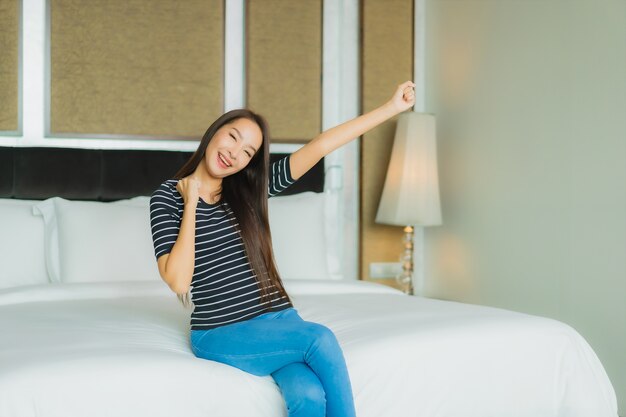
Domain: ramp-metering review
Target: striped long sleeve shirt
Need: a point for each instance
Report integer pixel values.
(223, 287)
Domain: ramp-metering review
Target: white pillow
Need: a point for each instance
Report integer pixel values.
(298, 235)
(296, 222)
(140, 201)
(96, 241)
(21, 245)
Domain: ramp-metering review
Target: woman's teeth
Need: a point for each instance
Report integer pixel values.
(224, 160)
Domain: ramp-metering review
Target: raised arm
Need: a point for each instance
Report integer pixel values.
(304, 158)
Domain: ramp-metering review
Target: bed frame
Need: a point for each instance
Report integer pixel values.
(37, 173)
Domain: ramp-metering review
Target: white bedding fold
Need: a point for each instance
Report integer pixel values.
(78, 290)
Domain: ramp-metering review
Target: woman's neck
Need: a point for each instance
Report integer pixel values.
(209, 185)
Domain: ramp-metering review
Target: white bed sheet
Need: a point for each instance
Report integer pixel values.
(122, 349)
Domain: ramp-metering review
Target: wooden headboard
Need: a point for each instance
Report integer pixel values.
(37, 173)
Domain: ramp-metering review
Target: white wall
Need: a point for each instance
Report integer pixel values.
(530, 98)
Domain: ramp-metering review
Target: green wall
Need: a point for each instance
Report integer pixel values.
(530, 98)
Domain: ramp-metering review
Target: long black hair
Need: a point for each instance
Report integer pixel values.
(246, 193)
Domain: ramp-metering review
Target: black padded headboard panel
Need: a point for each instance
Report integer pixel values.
(37, 173)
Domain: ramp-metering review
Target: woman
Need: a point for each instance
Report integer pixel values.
(212, 243)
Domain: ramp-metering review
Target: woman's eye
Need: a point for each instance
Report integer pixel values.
(231, 135)
(249, 154)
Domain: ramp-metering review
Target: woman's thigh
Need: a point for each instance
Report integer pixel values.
(260, 345)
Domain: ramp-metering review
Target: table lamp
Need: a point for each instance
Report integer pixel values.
(411, 192)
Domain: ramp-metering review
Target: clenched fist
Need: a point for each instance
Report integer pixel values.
(404, 97)
(189, 189)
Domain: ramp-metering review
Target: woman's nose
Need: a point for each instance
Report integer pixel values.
(235, 151)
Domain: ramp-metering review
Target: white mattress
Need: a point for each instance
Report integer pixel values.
(122, 349)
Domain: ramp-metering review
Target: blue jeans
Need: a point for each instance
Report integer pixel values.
(303, 357)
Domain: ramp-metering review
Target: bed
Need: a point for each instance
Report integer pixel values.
(84, 336)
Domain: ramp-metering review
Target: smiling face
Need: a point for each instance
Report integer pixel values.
(232, 147)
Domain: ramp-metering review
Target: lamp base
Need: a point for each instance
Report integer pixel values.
(405, 279)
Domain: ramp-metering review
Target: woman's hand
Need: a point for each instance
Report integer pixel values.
(189, 188)
(404, 97)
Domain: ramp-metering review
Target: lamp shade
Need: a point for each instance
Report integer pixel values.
(411, 192)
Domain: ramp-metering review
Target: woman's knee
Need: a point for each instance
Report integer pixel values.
(324, 339)
(302, 390)
(309, 397)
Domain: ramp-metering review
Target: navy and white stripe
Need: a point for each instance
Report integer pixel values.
(280, 176)
(223, 287)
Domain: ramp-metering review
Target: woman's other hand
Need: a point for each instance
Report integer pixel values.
(189, 188)
(404, 97)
